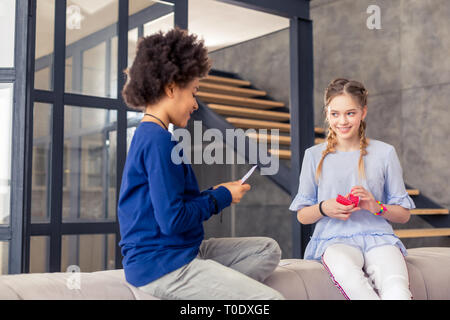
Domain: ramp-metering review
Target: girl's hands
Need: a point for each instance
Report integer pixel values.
(334, 209)
(236, 189)
(366, 199)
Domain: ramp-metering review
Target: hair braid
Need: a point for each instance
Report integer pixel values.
(362, 149)
(331, 144)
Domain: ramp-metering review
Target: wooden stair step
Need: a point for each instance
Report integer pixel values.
(226, 81)
(319, 130)
(319, 140)
(282, 140)
(238, 101)
(419, 211)
(282, 153)
(422, 233)
(413, 192)
(247, 112)
(259, 124)
(231, 90)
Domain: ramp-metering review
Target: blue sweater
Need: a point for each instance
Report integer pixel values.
(160, 208)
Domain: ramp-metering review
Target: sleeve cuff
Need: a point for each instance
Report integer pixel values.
(405, 201)
(300, 201)
(222, 196)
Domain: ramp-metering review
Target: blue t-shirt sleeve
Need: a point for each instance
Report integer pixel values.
(166, 179)
(394, 188)
(307, 187)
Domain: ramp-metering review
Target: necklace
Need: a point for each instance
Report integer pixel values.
(148, 114)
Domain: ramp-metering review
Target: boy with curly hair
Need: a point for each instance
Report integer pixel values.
(160, 207)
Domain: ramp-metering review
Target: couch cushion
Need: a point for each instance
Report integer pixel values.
(102, 285)
(429, 273)
(299, 279)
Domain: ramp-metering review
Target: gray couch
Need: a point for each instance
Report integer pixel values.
(429, 272)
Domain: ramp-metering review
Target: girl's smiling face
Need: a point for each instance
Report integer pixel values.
(344, 116)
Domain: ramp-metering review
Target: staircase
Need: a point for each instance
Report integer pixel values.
(243, 106)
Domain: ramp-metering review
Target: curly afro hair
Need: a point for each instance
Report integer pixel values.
(161, 59)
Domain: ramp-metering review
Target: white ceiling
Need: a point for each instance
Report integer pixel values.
(221, 24)
(92, 7)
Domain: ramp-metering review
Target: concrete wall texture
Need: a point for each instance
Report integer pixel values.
(404, 65)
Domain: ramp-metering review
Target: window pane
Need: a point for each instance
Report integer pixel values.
(6, 98)
(133, 118)
(91, 252)
(132, 42)
(7, 25)
(146, 18)
(45, 23)
(89, 158)
(113, 73)
(39, 254)
(41, 162)
(91, 27)
(4, 257)
(94, 71)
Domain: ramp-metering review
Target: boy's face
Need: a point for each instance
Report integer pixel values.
(184, 103)
(344, 116)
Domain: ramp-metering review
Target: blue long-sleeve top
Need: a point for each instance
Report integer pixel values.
(160, 208)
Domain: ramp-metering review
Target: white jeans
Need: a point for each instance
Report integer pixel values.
(225, 269)
(380, 273)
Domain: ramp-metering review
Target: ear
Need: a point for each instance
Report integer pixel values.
(364, 114)
(327, 113)
(169, 89)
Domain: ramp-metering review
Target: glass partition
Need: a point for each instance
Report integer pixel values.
(90, 30)
(6, 104)
(4, 257)
(89, 190)
(7, 25)
(90, 252)
(45, 29)
(41, 163)
(39, 254)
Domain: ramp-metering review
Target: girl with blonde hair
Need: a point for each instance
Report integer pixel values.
(355, 243)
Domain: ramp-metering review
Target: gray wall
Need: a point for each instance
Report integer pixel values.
(404, 65)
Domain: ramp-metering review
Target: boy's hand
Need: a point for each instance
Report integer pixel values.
(236, 189)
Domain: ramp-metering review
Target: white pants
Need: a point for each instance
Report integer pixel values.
(380, 273)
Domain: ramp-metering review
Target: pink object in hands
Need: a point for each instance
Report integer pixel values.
(353, 199)
(349, 200)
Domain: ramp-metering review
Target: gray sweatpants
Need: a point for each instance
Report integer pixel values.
(225, 268)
